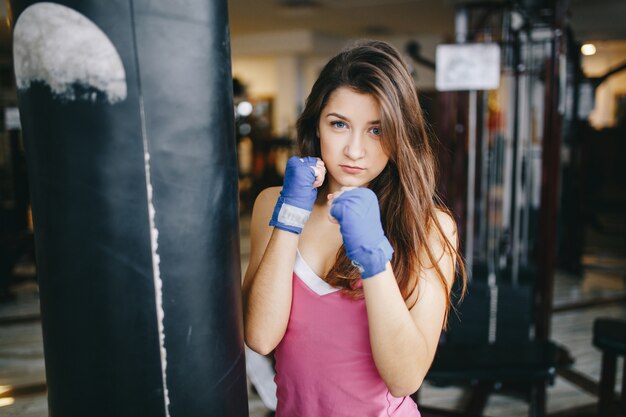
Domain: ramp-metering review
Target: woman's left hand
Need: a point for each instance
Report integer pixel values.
(358, 214)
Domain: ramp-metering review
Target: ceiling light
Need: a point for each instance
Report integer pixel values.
(244, 108)
(6, 401)
(588, 49)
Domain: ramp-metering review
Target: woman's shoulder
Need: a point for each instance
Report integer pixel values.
(265, 202)
(446, 222)
(267, 197)
(270, 192)
(440, 238)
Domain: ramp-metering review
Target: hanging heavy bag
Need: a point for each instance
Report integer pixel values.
(127, 117)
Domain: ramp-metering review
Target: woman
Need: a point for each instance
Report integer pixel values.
(350, 282)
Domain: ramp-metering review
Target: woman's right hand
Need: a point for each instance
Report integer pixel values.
(302, 178)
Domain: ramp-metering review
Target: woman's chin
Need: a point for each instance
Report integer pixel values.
(353, 183)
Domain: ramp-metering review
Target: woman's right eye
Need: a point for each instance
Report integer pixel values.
(338, 124)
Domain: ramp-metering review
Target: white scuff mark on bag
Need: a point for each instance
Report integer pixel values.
(158, 282)
(62, 48)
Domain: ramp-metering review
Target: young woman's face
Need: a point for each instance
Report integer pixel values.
(350, 139)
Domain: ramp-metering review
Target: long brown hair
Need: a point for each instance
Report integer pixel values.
(406, 188)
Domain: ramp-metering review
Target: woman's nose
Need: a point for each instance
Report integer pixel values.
(354, 148)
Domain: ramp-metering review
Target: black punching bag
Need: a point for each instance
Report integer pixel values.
(127, 115)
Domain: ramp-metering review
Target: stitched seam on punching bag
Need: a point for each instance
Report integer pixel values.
(156, 270)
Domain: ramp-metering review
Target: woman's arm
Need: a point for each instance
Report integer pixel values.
(404, 342)
(267, 286)
(267, 283)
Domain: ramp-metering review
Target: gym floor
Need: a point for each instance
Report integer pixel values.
(22, 364)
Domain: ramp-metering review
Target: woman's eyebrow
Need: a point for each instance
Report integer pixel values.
(339, 116)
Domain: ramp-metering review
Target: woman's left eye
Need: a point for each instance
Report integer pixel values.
(376, 130)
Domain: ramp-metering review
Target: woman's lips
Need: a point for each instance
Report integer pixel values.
(351, 169)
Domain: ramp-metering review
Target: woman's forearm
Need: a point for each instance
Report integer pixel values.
(399, 349)
(267, 296)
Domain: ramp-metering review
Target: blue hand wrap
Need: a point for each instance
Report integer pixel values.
(297, 197)
(358, 215)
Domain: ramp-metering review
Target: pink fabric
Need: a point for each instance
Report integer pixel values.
(324, 364)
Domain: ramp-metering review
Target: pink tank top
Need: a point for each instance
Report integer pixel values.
(324, 364)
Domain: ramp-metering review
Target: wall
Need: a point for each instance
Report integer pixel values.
(258, 74)
(284, 66)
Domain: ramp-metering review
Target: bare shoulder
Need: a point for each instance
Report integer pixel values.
(430, 299)
(442, 241)
(266, 200)
(448, 227)
(268, 193)
(262, 211)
